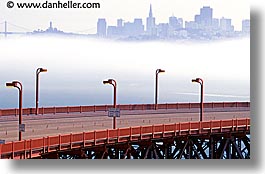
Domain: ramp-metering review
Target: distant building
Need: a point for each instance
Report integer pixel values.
(120, 27)
(175, 23)
(139, 27)
(119, 23)
(202, 21)
(101, 27)
(246, 26)
(163, 30)
(191, 25)
(50, 30)
(150, 23)
(226, 24)
(205, 18)
(126, 29)
(135, 28)
(215, 24)
(112, 31)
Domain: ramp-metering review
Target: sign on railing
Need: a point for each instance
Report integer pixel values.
(114, 112)
(22, 128)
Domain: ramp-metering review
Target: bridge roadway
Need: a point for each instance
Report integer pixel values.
(65, 123)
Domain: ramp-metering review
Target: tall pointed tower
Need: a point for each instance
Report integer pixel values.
(150, 12)
(150, 22)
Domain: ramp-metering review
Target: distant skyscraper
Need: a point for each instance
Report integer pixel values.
(191, 25)
(163, 30)
(246, 26)
(150, 23)
(205, 19)
(119, 23)
(197, 19)
(135, 28)
(112, 31)
(139, 27)
(215, 24)
(175, 23)
(51, 28)
(101, 27)
(226, 25)
(206, 16)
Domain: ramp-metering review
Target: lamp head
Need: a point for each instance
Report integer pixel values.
(109, 81)
(43, 70)
(13, 84)
(198, 80)
(161, 71)
(194, 80)
(10, 85)
(105, 82)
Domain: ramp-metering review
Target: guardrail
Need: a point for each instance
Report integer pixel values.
(35, 147)
(94, 108)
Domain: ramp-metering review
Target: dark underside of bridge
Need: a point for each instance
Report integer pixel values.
(209, 146)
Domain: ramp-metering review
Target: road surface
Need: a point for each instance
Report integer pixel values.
(55, 124)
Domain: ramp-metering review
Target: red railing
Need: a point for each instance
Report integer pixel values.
(72, 109)
(34, 147)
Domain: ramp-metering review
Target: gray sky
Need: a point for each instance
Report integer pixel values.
(85, 19)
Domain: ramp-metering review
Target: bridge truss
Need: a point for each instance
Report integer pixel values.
(212, 146)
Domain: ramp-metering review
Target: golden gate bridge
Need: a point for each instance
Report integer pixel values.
(8, 28)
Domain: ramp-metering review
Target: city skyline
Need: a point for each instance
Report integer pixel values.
(85, 20)
(203, 27)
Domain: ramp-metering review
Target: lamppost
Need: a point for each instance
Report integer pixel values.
(156, 85)
(38, 71)
(114, 84)
(18, 85)
(200, 81)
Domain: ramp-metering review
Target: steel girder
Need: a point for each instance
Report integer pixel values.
(214, 146)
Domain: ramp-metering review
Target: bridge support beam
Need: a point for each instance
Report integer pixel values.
(214, 146)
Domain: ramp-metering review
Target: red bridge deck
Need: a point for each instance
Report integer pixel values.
(35, 148)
